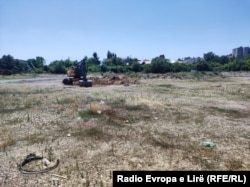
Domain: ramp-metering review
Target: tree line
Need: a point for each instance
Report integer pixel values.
(113, 63)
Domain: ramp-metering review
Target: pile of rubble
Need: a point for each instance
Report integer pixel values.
(113, 79)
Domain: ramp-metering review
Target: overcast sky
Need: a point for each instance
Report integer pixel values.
(144, 29)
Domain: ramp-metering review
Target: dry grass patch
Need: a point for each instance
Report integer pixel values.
(7, 138)
(93, 132)
(158, 124)
(232, 113)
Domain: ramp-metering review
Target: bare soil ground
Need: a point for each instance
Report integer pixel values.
(159, 123)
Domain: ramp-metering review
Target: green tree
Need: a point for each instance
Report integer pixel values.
(104, 68)
(161, 65)
(223, 59)
(210, 56)
(114, 61)
(147, 68)
(203, 66)
(31, 63)
(96, 58)
(110, 55)
(93, 63)
(136, 67)
(69, 63)
(180, 67)
(57, 67)
(7, 62)
(39, 62)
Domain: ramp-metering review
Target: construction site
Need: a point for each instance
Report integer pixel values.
(52, 134)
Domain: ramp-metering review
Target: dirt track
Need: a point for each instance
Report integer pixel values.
(159, 124)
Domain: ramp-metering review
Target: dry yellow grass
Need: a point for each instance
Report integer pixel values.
(159, 124)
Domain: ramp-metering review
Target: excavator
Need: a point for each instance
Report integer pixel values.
(78, 75)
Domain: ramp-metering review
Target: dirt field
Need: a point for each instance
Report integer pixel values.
(160, 123)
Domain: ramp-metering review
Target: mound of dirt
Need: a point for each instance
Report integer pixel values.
(113, 79)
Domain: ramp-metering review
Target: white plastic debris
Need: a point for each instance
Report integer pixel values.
(102, 102)
(69, 135)
(208, 144)
(45, 161)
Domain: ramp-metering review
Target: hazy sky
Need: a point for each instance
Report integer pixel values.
(144, 29)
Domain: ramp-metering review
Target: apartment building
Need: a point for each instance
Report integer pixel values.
(241, 52)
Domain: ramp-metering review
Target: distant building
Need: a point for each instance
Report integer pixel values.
(189, 60)
(145, 61)
(241, 52)
(246, 52)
